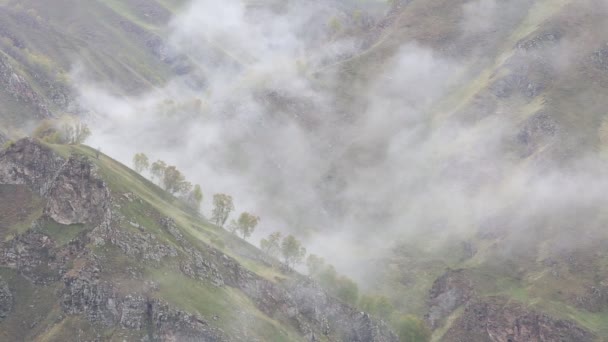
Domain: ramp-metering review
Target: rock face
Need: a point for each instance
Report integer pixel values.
(595, 298)
(31, 164)
(495, 319)
(19, 88)
(34, 255)
(449, 292)
(6, 300)
(333, 317)
(85, 293)
(304, 302)
(74, 193)
(492, 318)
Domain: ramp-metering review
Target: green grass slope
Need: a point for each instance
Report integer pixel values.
(37, 314)
(118, 43)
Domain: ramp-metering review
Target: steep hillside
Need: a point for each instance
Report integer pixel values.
(453, 153)
(43, 46)
(538, 70)
(91, 249)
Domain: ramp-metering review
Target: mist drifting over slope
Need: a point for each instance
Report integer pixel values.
(256, 122)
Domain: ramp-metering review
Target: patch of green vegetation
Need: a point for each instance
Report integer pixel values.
(19, 209)
(595, 322)
(268, 272)
(512, 289)
(223, 305)
(116, 263)
(438, 333)
(68, 327)
(123, 9)
(62, 234)
(31, 304)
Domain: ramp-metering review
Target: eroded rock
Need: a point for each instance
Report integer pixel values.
(74, 192)
(6, 300)
(78, 195)
(498, 320)
(448, 293)
(29, 163)
(87, 294)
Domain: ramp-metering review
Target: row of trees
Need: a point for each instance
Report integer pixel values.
(174, 182)
(288, 248)
(291, 251)
(171, 179)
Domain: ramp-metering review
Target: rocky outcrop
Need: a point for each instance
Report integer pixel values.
(19, 88)
(74, 193)
(77, 195)
(594, 299)
(330, 316)
(86, 294)
(494, 319)
(600, 57)
(30, 163)
(448, 293)
(33, 255)
(498, 320)
(541, 128)
(6, 299)
(142, 245)
(195, 264)
(168, 324)
(540, 41)
(307, 306)
(38, 257)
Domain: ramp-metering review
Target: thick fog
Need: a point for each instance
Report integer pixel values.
(264, 117)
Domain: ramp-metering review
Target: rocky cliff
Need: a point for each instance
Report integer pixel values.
(82, 242)
(492, 318)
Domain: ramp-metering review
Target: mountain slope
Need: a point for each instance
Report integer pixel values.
(93, 249)
(482, 173)
(121, 43)
(538, 71)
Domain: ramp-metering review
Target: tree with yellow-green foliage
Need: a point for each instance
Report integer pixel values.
(67, 130)
(222, 207)
(158, 171)
(175, 182)
(315, 265)
(140, 162)
(75, 132)
(272, 245)
(245, 224)
(195, 198)
(292, 251)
